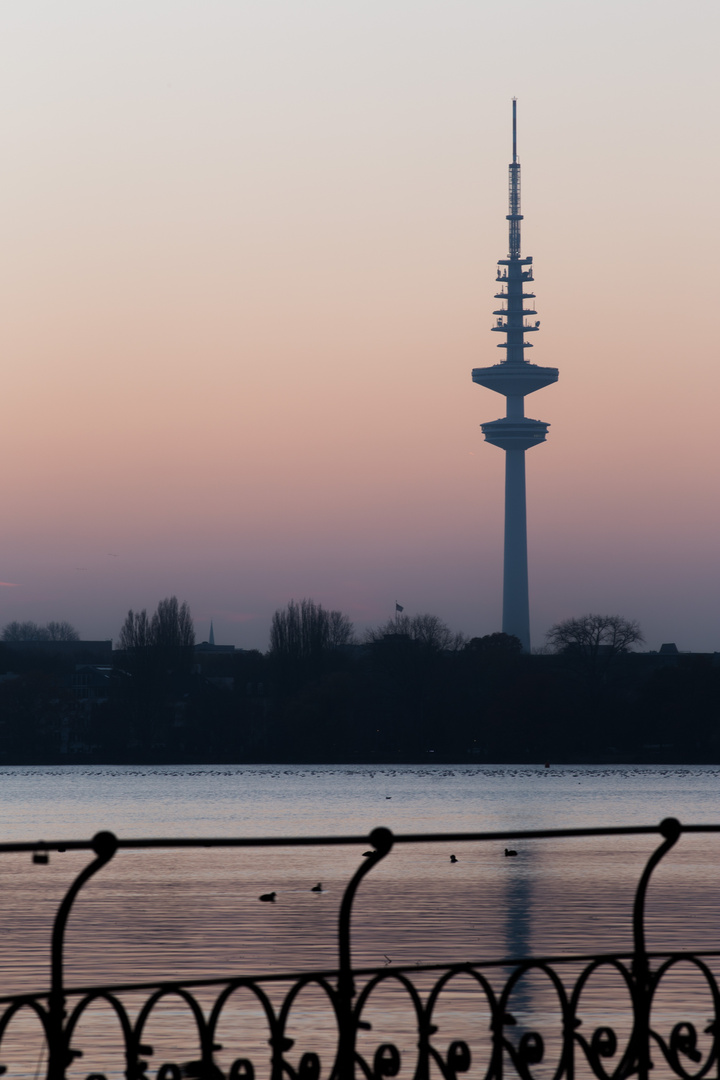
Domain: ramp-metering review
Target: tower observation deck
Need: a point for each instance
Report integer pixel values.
(514, 378)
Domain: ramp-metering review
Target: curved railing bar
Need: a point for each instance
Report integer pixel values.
(104, 844)
(382, 842)
(671, 829)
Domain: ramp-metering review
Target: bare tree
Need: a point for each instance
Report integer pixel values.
(428, 631)
(285, 633)
(307, 630)
(171, 626)
(158, 647)
(135, 631)
(30, 631)
(62, 631)
(340, 630)
(596, 640)
(24, 631)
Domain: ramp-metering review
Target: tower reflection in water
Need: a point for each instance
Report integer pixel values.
(533, 1011)
(518, 929)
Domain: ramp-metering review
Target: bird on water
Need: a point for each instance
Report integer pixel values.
(453, 858)
(268, 897)
(317, 888)
(509, 852)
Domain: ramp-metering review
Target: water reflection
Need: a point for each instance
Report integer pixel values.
(531, 995)
(517, 904)
(517, 924)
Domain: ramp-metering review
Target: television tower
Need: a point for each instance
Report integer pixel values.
(515, 433)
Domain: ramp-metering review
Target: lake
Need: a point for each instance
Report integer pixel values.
(191, 914)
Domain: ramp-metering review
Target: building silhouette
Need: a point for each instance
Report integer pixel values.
(514, 378)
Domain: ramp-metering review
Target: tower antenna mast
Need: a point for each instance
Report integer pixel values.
(514, 378)
(514, 131)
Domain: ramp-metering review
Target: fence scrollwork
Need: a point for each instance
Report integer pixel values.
(512, 1047)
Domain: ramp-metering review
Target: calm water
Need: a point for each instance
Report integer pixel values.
(76, 801)
(173, 915)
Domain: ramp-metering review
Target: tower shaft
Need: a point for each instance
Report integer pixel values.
(516, 600)
(515, 433)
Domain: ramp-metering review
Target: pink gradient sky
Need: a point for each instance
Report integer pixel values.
(247, 264)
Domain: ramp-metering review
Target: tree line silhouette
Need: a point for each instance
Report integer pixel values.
(410, 690)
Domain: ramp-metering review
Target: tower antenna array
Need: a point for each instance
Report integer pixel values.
(514, 378)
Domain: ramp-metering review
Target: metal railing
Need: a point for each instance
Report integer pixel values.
(583, 1042)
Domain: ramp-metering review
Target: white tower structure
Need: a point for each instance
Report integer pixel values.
(515, 433)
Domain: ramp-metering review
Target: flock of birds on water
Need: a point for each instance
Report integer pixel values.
(269, 897)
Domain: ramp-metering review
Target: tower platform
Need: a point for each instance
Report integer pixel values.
(518, 434)
(514, 379)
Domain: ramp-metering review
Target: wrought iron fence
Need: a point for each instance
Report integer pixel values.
(584, 1044)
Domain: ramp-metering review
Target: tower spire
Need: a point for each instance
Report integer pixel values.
(514, 216)
(514, 378)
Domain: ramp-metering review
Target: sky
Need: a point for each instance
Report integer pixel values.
(247, 264)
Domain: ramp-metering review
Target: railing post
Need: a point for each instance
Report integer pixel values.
(671, 829)
(382, 841)
(104, 845)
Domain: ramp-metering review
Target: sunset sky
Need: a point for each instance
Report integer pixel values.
(248, 259)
